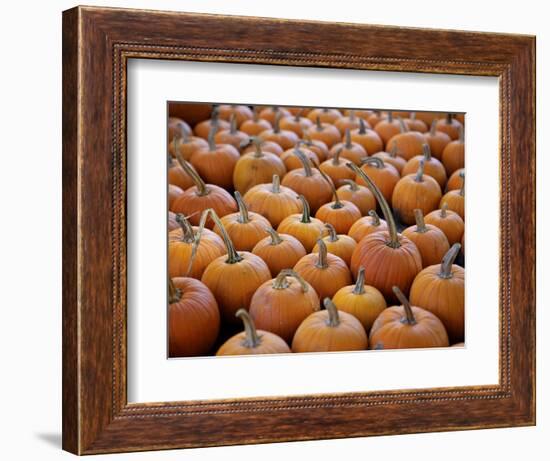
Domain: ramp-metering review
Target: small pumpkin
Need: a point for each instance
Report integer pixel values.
(232, 135)
(252, 341)
(186, 257)
(367, 138)
(173, 193)
(302, 226)
(387, 128)
(335, 168)
(279, 251)
(234, 277)
(360, 196)
(330, 330)
(374, 118)
(296, 123)
(415, 191)
(309, 182)
(415, 124)
(187, 145)
(272, 112)
(214, 123)
(429, 239)
(439, 289)
(178, 128)
(255, 125)
(367, 225)
(281, 305)
(407, 326)
(432, 166)
(455, 181)
(454, 199)
(407, 143)
(172, 223)
(324, 271)
(216, 163)
(453, 154)
(285, 138)
(348, 122)
(449, 125)
(325, 132)
(267, 146)
(240, 113)
(340, 213)
(437, 140)
(392, 158)
(362, 301)
(448, 221)
(317, 146)
(338, 244)
(273, 201)
(348, 149)
(178, 176)
(293, 162)
(191, 113)
(384, 175)
(245, 228)
(193, 318)
(325, 115)
(201, 196)
(390, 259)
(256, 168)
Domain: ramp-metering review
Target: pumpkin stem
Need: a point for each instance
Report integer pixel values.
(386, 210)
(202, 189)
(187, 234)
(318, 124)
(447, 263)
(461, 134)
(174, 294)
(359, 288)
(306, 211)
(420, 172)
(307, 166)
(426, 151)
(276, 184)
(420, 224)
(277, 124)
(463, 185)
(374, 161)
(402, 125)
(275, 237)
(433, 127)
(280, 282)
(233, 124)
(332, 235)
(333, 317)
(255, 114)
(336, 158)
(252, 340)
(390, 116)
(297, 116)
(257, 146)
(449, 119)
(337, 204)
(409, 316)
(232, 255)
(352, 184)
(211, 137)
(243, 211)
(347, 138)
(322, 262)
(412, 115)
(393, 150)
(444, 210)
(362, 126)
(375, 219)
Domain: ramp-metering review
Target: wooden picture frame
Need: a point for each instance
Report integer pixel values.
(97, 43)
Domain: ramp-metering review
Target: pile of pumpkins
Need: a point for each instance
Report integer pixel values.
(314, 229)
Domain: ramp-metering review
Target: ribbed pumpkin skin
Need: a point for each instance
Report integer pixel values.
(451, 129)
(216, 166)
(370, 141)
(341, 218)
(432, 244)
(409, 194)
(252, 170)
(343, 247)
(285, 138)
(192, 205)
(203, 128)
(386, 266)
(298, 126)
(325, 281)
(267, 146)
(193, 321)
(273, 206)
(188, 147)
(348, 122)
(455, 181)
(354, 153)
(443, 297)
(337, 171)
(397, 162)
(451, 224)
(280, 256)
(177, 128)
(407, 145)
(240, 112)
(234, 139)
(314, 188)
(385, 178)
(453, 156)
(362, 198)
(254, 128)
(270, 114)
(173, 193)
(172, 223)
(319, 148)
(365, 307)
(325, 115)
(271, 344)
(211, 246)
(329, 134)
(234, 284)
(454, 201)
(245, 236)
(437, 142)
(292, 162)
(364, 226)
(387, 129)
(314, 335)
(307, 234)
(178, 177)
(388, 332)
(281, 311)
(432, 167)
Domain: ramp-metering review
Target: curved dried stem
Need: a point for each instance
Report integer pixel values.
(446, 271)
(252, 339)
(409, 316)
(333, 317)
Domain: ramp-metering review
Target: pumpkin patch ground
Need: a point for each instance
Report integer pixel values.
(313, 229)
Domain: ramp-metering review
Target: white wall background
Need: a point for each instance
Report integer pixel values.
(30, 234)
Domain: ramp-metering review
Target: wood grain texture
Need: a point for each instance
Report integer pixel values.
(97, 43)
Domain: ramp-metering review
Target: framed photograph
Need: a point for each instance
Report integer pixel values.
(284, 230)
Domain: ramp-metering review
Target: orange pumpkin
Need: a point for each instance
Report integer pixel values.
(256, 168)
(415, 124)
(384, 175)
(189, 253)
(449, 125)
(429, 239)
(366, 226)
(440, 289)
(317, 146)
(437, 140)
(389, 258)
(374, 118)
(173, 193)
(293, 162)
(455, 181)
(453, 154)
(360, 196)
(415, 191)
(234, 277)
(325, 272)
(325, 132)
(267, 146)
(454, 199)
(216, 163)
(429, 117)
(172, 224)
(193, 318)
(245, 228)
(407, 326)
(203, 129)
(232, 135)
(367, 138)
(364, 302)
(309, 182)
(186, 145)
(387, 128)
(349, 150)
(177, 128)
(178, 176)
(252, 341)
(330, 330)
(271, 113)
(191, 113)
(240, 113)
(338, 244)
(255, 125)
(449, 222)
(296, 123)
(279, 251)
(407, 143)
(285, 138)
(335, 168)
(201, 196)
(302, 226)
(325, 115)
(273, 201)
(281, 305)
(432, 166)
(392, 158)
(348, 122)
